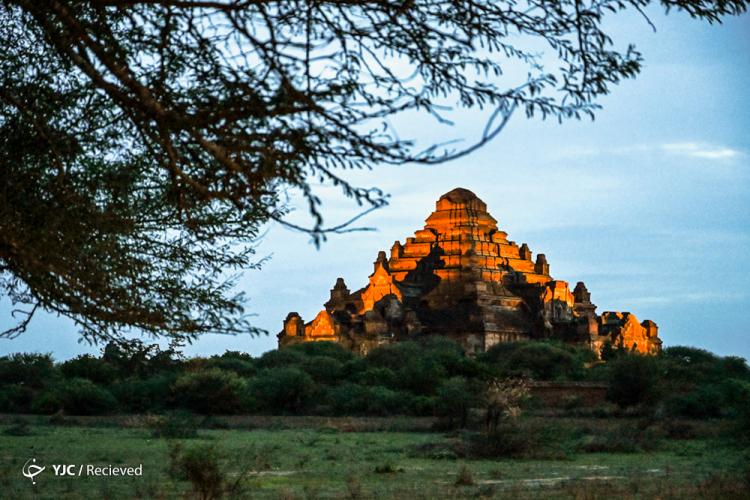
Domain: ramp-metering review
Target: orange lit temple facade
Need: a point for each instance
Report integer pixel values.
(462, 278)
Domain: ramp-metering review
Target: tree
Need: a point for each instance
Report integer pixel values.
(633, 380)
(453, 400)
(145, 143)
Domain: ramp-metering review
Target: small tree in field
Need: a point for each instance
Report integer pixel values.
(503, 398)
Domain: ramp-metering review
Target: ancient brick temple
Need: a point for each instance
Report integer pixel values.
(461, 277)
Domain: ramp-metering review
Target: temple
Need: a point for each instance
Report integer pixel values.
(462, 278)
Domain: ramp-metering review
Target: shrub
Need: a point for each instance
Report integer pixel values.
(328, 349)
(210, 391)
(394, 356)
(387, 469)
(47, 403)
(703, 402)
(353, 399)
(177, 425)
(83, 397)
(464, 476)
(377, 376)
(540, 360)
(689, 364)
(348, 399)
(240, 363)
(18, 427)
(632, 380)
(89, 367)
(15, 398)
(282, 390)
(498, 354)
(200, 466)
(76, 396)
(323, 369)
(421, 376)
(140, 395)
(32, 370)
(281, 358)
(383, 401)
(418, 367)
(453, 401)
(507, 440)
(626, 438)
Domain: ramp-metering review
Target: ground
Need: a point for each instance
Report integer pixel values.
(348, 458)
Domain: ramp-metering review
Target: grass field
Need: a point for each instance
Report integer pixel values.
(319, 459)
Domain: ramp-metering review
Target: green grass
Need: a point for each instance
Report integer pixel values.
(329, 463)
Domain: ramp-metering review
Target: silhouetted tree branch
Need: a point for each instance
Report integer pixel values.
(143, 144)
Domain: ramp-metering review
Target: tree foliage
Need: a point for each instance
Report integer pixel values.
(145, 143)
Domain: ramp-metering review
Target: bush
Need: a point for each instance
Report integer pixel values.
(632, 380)
(383, 401)
(83, 397)
(353, 399)
(542, 362)
(15, 398)
(47, 403)
(282, 390)
(32, 370)
(703, 402)
(627, 438)
(539, 360)
(323, 369)
(387, 468)
(689, 364)
(77, 396)
(240, 363)
(200, 466)
(328, 349)
(419, 367)
(453, 401)
(507, 440)
(139, 395)
(89, 367)
(19, 427)
(348, 399)
(394, 356)
(421, 376)
(174, 426)
(281, 358)
(210, 391)
(464, 476)
(725, 399)
(377, 376)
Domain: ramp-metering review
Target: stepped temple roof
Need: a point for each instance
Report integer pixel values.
(461, 277)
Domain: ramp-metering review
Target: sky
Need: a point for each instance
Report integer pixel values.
(648, 204)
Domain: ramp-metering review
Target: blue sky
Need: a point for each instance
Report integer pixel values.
(648, 204)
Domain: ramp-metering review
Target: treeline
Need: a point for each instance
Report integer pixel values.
(428, 377)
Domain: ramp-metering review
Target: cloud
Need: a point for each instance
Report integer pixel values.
(686, 298)
(701, 150)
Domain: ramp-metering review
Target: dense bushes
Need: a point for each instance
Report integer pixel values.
(31, 370)
(539, 360)
(77, 396)
(282, 390)
(632, 380)
(210, 391)
(432, 376)
(89, 367)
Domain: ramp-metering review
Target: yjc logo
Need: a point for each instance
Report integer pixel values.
(64, 470)
(31, 470)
